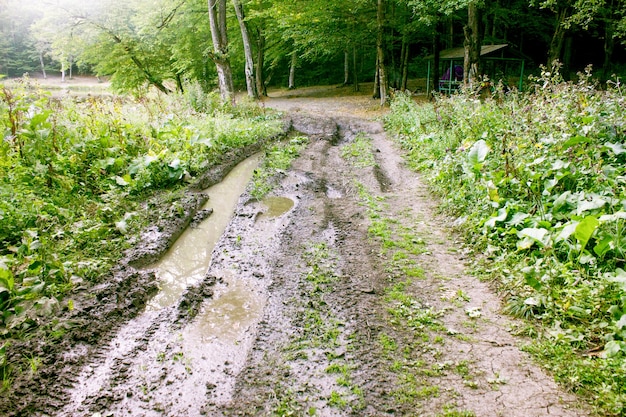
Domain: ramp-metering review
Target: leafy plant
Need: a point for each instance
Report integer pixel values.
(537, 182)
(80, 178)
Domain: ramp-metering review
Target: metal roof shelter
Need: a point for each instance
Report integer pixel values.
(494, 58)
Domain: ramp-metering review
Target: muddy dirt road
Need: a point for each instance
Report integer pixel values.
(342, 295)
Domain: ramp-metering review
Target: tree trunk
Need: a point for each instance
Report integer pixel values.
(609, 46)
(346, 67)
(471, 62)
(249, 66)
(71, 64)
(405, 63)
(260, 61)
(556, 44)
(567, 57)
(376, 93)
(380, 52)
(63, 70)
(436, 57)
(43, 67)
(217, 21)
(355, 71)
(292, 70)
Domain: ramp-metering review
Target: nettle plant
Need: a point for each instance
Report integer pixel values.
(538, 182)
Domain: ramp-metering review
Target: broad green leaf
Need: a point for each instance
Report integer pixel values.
(621, 323)
(618, 277)
(500, 217)
(518, 219)
(585, 229)
(603, 246)
(536, 234)
(567, 231)
(7, 281)
(561, 200)
(478, 152)
(617, 148)
(590, 202)
(613, 348)
(533, 282)
(121, 180)
(621, 215)
(575, 141)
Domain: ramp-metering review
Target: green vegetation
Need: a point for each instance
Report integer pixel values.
(321, 333)
(79, 179)
(537, 184)
(277, 159)
(359, 152)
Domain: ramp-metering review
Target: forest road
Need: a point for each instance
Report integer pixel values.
(350, 299)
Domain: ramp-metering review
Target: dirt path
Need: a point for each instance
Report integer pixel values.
(353, 302)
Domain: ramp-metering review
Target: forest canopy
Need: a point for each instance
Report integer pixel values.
(254, 43)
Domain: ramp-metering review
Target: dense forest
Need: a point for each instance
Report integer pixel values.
(254, 43)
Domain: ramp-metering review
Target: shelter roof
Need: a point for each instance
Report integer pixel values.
(458, 53)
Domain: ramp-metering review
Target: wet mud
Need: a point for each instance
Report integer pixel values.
(292, 314)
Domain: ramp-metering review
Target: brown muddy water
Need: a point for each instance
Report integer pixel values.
(188, 259)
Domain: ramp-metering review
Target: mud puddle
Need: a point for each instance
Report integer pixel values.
(276, 207)
(188, 259)
(159, 365)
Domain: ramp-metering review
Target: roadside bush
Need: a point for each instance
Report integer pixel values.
(74, 178)
(537, 181)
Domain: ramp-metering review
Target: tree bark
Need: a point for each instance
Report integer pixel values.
(43, 66)
(380, 52)
(292, 70)
(249, 65)
(346, 67)
(436, 57)
(609, 46)
(471, 61)
(217, 21)
(556, 44)
(355, 71)
(405, 63)
(260, 61)
(376, 93)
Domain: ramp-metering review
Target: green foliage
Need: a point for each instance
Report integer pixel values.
(359, 152)
(537, 183)
(74, 178)
(277, 159)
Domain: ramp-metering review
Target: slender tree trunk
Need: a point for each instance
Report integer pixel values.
(405, 63)
(376, 93)
(71, 64)
(260, 61)
(556, 44)
(609, 46)
(471, 62)
(63, 70)
(292, 70)
(346, 67)
(380, 52)
(217, 21)
(355, 71)
(567, 57)
(179, 83)
(436, 57)
(43, 66)
(247, 49)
